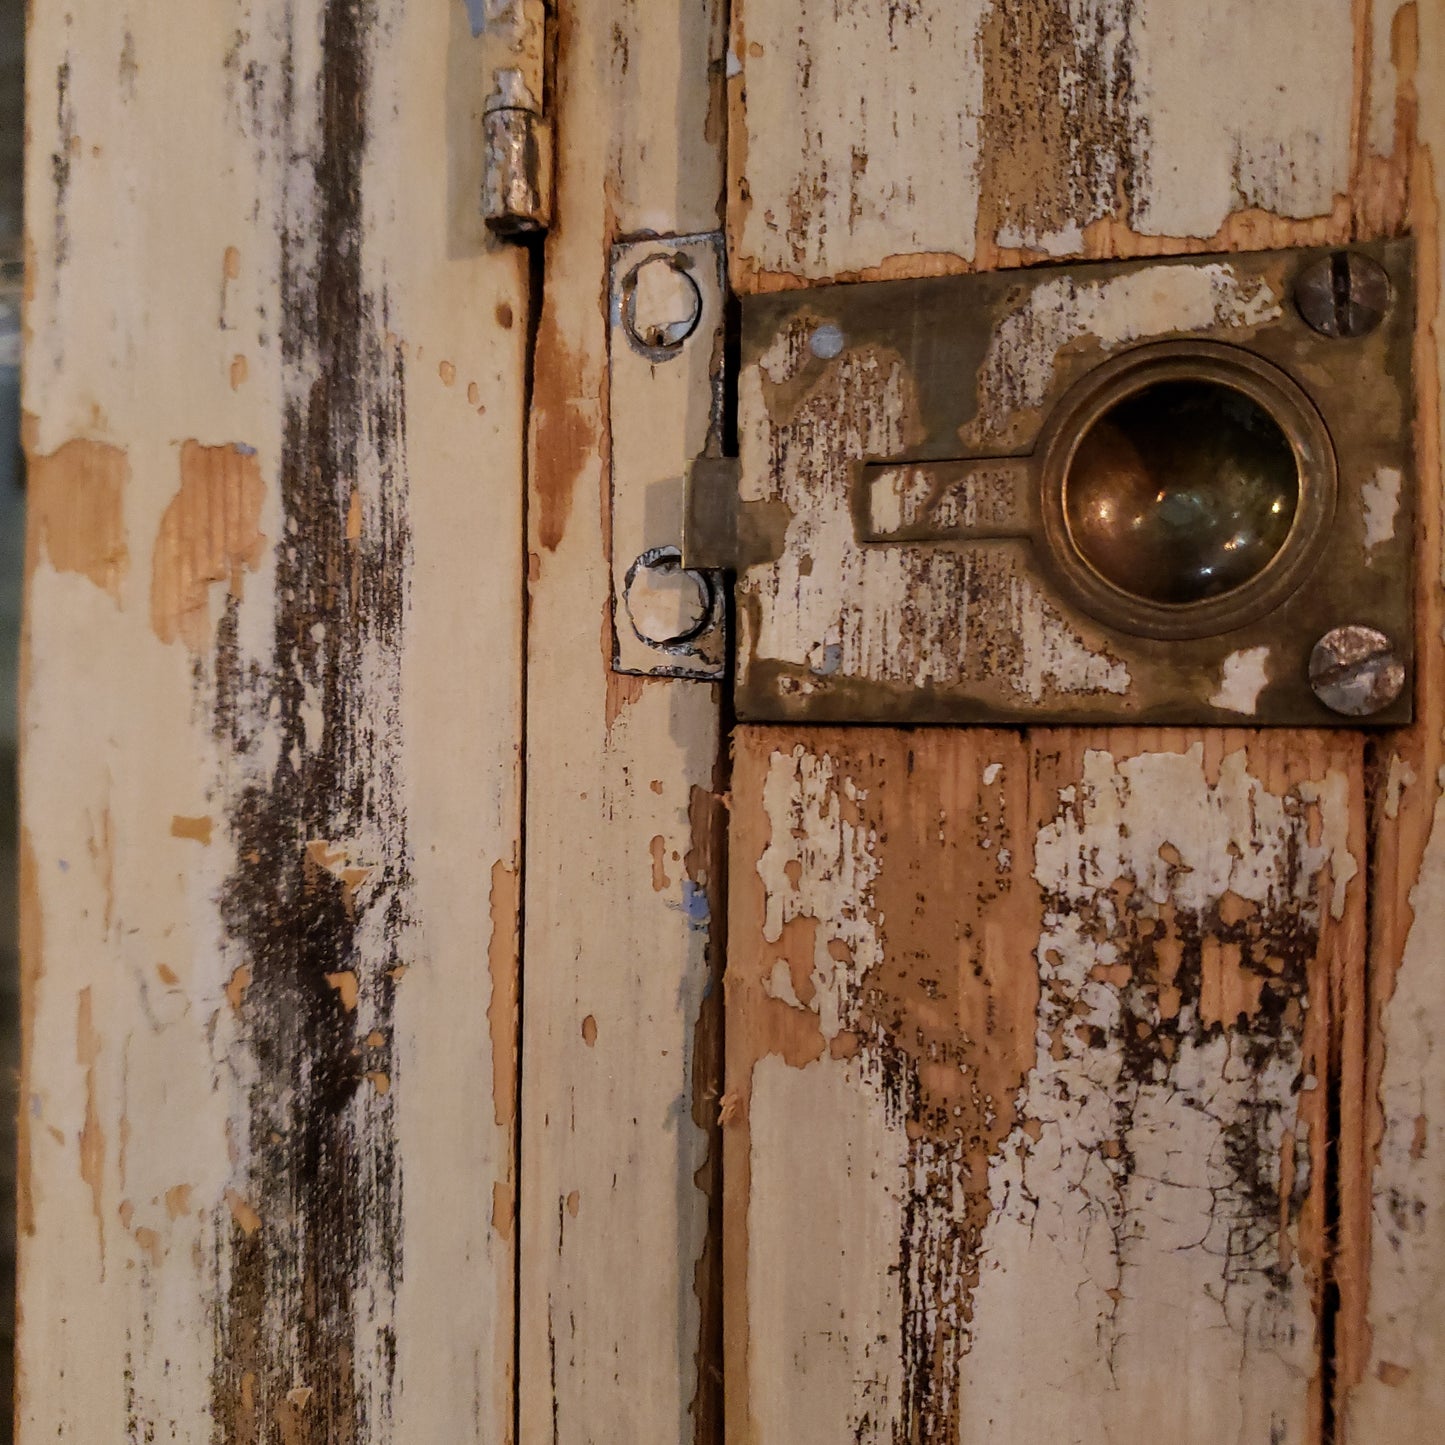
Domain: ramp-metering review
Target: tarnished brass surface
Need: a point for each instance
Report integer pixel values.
(1185, 544)
(1185, 497)
(1181, 491)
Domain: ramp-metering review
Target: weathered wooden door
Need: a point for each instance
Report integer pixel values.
(1080, 1083)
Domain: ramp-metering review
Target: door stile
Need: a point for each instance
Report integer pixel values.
(1393, 1239)
(271, 728)
(821, 190)
(618, 1289)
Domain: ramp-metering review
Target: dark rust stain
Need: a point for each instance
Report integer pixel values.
(60, 166)
(565, 435)
(321, 1182)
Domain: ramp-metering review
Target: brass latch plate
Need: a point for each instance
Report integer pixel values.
(1136, 492)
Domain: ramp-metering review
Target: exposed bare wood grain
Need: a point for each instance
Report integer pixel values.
(912, 140)
(1028, 1053)
(271, 731)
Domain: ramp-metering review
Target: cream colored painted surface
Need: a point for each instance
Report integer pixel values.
(166, 158)
(622, 879)
(930, 136)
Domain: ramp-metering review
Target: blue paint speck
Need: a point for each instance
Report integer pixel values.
(694, 905)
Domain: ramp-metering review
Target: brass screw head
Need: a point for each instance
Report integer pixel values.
(1342, 295)
(1355, 671)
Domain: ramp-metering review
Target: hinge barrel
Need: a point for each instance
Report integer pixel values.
(516, 195)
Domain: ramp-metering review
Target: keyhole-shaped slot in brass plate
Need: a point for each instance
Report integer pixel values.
(1179, 490)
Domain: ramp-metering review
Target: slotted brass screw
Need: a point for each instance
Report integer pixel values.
(1344, 294)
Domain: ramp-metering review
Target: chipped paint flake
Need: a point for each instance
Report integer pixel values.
(834, 178)
(1023, 353)
(1380, 496)
(75, 498)
(209, 533)
(1243, 676)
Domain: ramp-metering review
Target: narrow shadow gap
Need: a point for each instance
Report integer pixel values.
(536, 285)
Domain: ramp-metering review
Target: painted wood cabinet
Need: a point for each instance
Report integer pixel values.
(434, 1033)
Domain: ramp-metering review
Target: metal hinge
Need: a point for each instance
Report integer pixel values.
(517, 134)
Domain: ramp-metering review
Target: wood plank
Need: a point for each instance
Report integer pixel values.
(619, 1290)
(1027, 1053)
(1157, 128)
(1393, 1321)
(873, 140)
(271, 730)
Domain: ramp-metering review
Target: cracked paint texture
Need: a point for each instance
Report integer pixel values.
(1033, 1064)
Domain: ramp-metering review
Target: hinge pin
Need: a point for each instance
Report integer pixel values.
(517, 136)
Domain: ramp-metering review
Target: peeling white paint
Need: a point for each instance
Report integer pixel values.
(1115, 1260)
(834, 174)
(1407, 1251)
(1144, 1239)
(1020, 364)
(1243, 676)
(1384, 87)
(1209, 110)
(809, 802)
(1239, 106)
(1399, 777)
(1332, 795)
(1381, 498)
